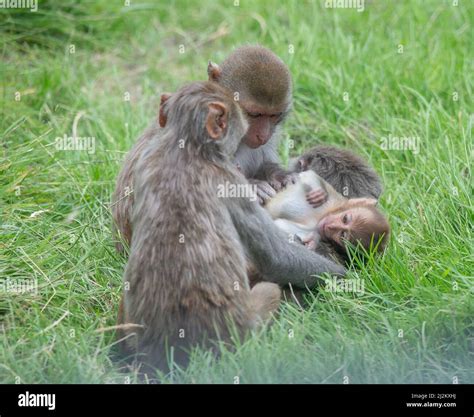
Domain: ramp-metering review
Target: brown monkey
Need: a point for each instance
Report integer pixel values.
(261, 82)
(347, 173)
(187, 266)
(328, 216)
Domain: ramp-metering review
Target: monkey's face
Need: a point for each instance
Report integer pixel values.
(263, 84)
(262, 123)
(346, 225)
(358, 221)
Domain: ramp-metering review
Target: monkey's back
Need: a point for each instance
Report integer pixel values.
(186, 270)
(122, 198)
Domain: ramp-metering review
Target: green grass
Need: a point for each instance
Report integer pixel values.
(422, 289)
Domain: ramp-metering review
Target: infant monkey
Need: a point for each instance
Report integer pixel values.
(328, 216)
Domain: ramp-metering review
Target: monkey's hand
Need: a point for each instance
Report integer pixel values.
(310, 241)
(264, 190)
(316, 197)
(281, 179)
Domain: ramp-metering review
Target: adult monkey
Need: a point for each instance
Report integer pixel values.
(261, 84)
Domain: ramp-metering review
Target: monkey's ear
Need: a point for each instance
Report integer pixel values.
(364, 201)
(163, 114)
(216, 122)
(302, 165)
(213, 71)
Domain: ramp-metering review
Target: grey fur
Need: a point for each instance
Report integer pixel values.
(347, 173)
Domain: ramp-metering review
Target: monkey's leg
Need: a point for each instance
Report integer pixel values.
(265, 299)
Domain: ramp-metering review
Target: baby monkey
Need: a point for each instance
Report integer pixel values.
(315, 212)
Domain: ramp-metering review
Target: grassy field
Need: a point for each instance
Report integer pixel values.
(362, 80)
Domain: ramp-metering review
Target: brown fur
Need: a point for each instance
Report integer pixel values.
(264, 86)
(245, 70)
(123, 197)
(258, 75)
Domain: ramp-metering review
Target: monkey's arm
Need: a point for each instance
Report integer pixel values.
(275, 175)
(270, 169)
(269, 250)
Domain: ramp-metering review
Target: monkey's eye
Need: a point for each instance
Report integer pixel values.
(277, 118)
(345, 219)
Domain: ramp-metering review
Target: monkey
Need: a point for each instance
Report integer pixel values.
(327, 215)
(262, 83)
(263, 86)
(190, 245)
(347, 173)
